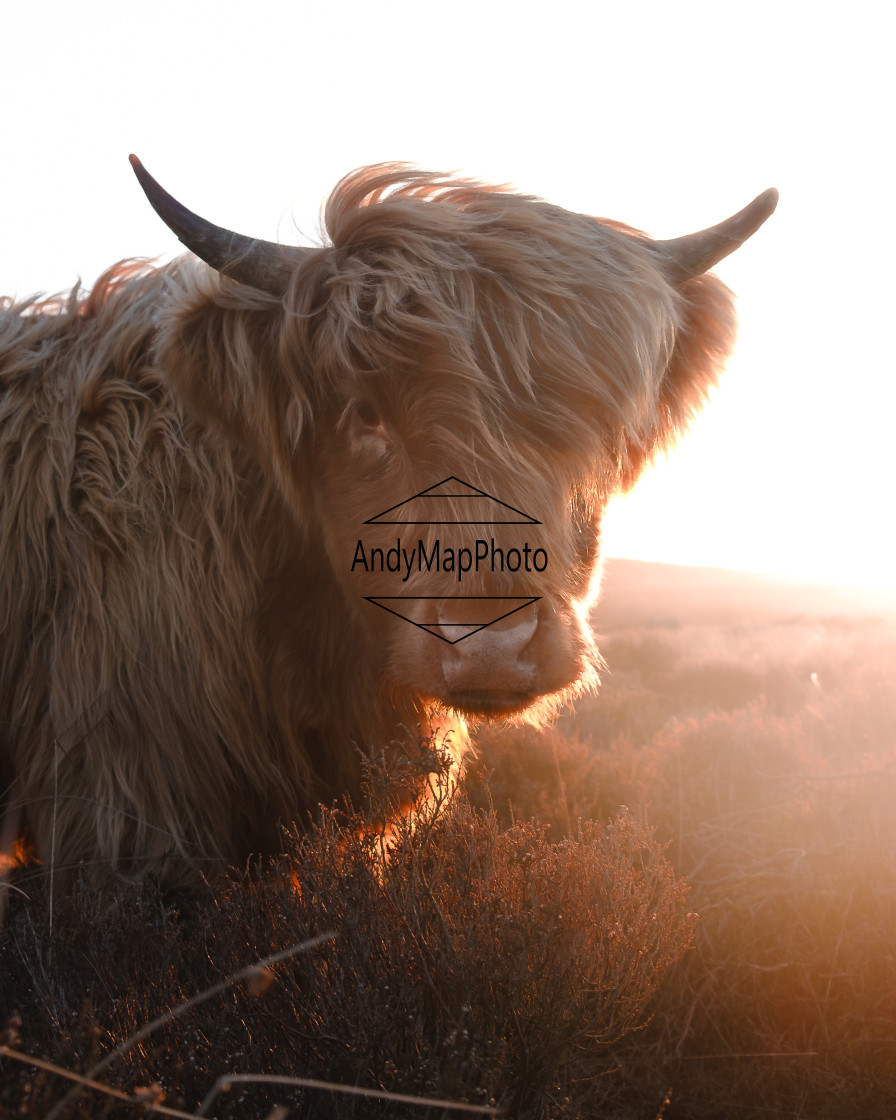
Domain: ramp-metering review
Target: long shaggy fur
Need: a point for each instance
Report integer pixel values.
(184, 661)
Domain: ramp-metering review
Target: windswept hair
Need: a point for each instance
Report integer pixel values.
(498, 300)
(518, 300)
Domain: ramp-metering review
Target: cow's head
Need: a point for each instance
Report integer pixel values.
(460, 380)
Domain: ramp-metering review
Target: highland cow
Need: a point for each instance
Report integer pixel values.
(265, 508)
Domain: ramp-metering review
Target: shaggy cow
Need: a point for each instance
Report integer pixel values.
(257, 508)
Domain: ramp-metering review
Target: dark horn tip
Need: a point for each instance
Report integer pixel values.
(139, 169)
(258, 264)
(151, 188)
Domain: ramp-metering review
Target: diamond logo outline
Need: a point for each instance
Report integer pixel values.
(527, 601)
(377, 518)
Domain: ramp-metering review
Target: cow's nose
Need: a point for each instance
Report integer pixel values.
(490, 667)
(504, 626)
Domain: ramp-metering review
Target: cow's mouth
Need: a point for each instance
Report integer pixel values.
(482, 702)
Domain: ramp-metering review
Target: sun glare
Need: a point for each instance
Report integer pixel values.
(786, 471)
(683, 513)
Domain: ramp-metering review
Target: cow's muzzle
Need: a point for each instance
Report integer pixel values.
(491, 671)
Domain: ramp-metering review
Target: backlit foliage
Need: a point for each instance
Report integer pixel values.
(507, 946)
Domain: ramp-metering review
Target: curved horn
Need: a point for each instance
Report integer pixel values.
(260, 264)
(696, 253)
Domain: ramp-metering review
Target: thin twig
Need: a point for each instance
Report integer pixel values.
(355, 1090)
(175, 1012)
(141, 1100)
(53, 831)
(757, 1054)
(209, 993)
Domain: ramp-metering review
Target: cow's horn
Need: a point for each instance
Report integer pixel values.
(696, 253)
(260, 264)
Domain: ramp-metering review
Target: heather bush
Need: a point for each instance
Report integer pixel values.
(779, 814)
(471, 962)
(507, 950)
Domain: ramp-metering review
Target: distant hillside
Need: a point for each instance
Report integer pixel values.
(636, 593)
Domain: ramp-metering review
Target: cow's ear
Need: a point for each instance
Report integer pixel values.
(703, 342)
(220, 351)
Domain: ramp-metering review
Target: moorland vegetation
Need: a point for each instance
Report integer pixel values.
(679, 902)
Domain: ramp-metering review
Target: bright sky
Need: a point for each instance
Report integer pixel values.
(668, 116)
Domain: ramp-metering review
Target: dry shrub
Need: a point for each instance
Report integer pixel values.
(780, 817)
(472, 962)
(516, 961)
(789, 1002)
(490, 959)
